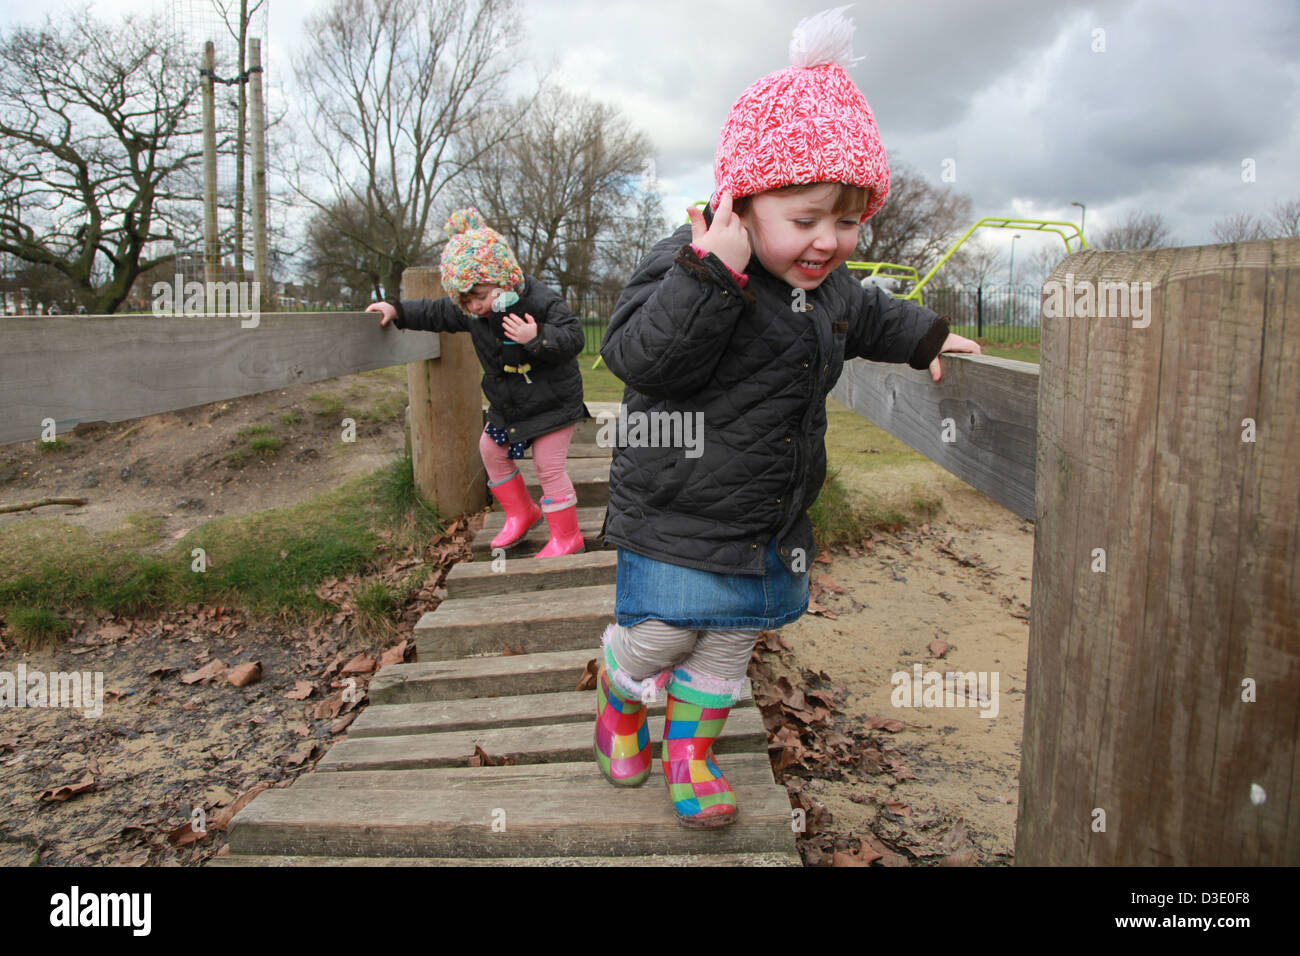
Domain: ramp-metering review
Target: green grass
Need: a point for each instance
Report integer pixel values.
(269, 563)
(291, 418)
(843, 515)
(326, 405)
(35, 627)
(265, 445)
(254, 430)
(57, 443)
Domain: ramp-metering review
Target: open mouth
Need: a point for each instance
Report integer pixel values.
(811, 267)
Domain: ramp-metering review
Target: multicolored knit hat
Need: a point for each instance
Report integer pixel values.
(476, 254)
(807, 123)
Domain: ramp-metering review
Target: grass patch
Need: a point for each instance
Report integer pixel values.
(57, 443)
(139, 530)
(36, 626)
(599, 384)
(269, 563)
(377, 605)
(265, 445)
(250, 430)
(388, 408)
(236, 457)
(291, 418)
(844, 516)
(325, 404)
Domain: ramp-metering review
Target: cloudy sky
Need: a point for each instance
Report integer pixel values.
(1124, 105)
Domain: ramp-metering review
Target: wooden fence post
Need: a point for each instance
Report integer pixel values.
(1163, 689)
(446, 413)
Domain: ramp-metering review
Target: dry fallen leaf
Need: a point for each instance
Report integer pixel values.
(67, 791)
(212, 669)
(890, 724)
(590, 673)
(395, 654)
(300, 755)
(329, 708)
(302, 689)
(938, 647)
(241, 675)
(363, 663)
(221, 819)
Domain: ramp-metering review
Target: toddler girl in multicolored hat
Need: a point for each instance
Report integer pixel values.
(527, 341)
(745, 316)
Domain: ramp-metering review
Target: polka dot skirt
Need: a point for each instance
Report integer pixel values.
(502, 438)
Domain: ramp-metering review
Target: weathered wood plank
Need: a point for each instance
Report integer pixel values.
(569, 619)
(775, 858)
(112, 368)
(990, 403)
(481, 677)
(427, 717)
(1137, 673)
(750, 768)
(552, 743)
(474, 579)
(590, 522)
(529, 823)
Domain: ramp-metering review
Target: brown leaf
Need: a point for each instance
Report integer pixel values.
(815, 608)
(301, 755)
(864, 855)
(828, 584)
(299, 727)
(363, 663)
(898, 807)
(329, 708)
(825, 697)
(964, 858)
(341, 724)
(221, 819)
(241, 675)
(158, 673)
(890, 724)
(209, 671)
(938, 647)
(513, 651)
(302, 689)
(590, 676)
(185, 834)
(822, 558)
(67, 791)
(395, 654)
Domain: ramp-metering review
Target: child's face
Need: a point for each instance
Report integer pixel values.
(798, 236)
(478, 300)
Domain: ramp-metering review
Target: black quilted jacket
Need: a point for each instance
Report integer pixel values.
(553, 399)
(685, 337)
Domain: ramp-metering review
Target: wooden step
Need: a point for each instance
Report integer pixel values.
(567, 619)
(590, 477)
(590, 521)
(585, 433)
(545, 743)
(748, 768)
(775, 858)
(479, 578)
(561, 821)
(431, 717)
(493, 676)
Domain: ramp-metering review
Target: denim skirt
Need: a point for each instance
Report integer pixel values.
(647, 590)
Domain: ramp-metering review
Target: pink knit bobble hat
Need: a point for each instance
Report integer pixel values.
(476, 254)
(807, 123)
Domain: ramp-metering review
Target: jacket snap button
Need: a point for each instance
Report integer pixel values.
(513, 430)
(805, 364)
(788, 439)
(779, 500)
(753, 547)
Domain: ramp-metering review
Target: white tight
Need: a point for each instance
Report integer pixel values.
(649, 647)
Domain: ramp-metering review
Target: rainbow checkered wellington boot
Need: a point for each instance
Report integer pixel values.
(697, 710)
(622, 737)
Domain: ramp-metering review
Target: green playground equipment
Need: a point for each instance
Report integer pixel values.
(1068, 232)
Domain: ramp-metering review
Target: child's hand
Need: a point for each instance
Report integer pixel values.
(953, 343)
(386, 312)
(520, 330)
(726, 238)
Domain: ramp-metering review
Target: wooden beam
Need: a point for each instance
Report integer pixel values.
(1163, 687)
(979, 421)
(109, 368)
(446, 411)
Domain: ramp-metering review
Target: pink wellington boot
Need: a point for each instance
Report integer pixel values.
(522, 514)
(562, 519)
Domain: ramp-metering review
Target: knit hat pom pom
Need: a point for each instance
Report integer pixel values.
(824, 38)
(464, 220)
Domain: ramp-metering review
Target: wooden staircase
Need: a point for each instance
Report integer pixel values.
(398, 790)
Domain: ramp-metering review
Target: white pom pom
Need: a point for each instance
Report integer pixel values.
(825, 37)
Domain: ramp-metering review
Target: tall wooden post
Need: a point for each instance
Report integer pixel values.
(1163, 689)
(260, 256)
(446, 413)
(211, 253)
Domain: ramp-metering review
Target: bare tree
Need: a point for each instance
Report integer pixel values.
(563, 189)
(338, 267)
(96, 133)
(1241, 227)
(918, 223)
(1285, 220)
(394, 87)
(972, 265)
(1138, 231)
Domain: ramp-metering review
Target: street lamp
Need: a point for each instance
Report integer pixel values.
(1082, 215)
(1011, 279)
